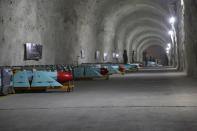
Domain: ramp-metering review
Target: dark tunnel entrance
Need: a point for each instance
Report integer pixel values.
(155, 56)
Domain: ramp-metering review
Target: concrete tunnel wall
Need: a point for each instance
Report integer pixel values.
(65, 27)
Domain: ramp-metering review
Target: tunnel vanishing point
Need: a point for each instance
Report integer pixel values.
(68, 29)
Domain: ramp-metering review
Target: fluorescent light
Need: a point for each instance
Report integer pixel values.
(170, 32)
(105, 54)
(167, 49)
(172, 20)
(169, 45)
(117, 55)
(182, 2)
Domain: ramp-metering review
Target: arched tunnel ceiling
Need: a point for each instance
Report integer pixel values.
(135, 39)
(134, 33)
(148, 43)
(138, 40)
(128, 22)
(133, 21)
(126, 31)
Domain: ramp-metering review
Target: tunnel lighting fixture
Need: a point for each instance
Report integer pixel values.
(105, 54)
(169, 45)
(97, 55)
(117, 55)
(167, 49)
(172, 20)
(182, 2)
(114, 55)
(170, 32)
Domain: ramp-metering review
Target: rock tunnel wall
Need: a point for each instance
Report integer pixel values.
(61, 26)
(187, 40)
(65, 27)
(180, 13)
(191, 36)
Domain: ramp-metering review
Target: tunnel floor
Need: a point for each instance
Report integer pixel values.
(142, 101)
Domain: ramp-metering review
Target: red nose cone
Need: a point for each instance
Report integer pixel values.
(121, 68)
(64, 76)
(104, 71)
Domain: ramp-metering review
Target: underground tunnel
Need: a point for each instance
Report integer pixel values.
(98, 65)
